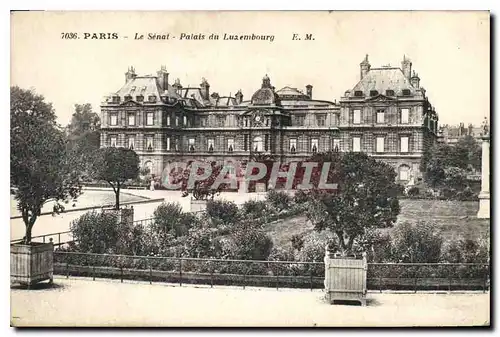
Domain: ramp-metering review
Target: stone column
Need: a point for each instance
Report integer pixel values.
(484, 195)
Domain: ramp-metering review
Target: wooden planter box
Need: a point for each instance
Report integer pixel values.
(345, 278)
(198, 205)
(30, 264)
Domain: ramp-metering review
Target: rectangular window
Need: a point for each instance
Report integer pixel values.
(300, 120)
(139, 98)
(230, 144)
(245, 143)
(176, 121)
(184, 121)
(293, 145)
(113, 119)
(358, 93)
(168, 143)
(321, 119)
(191, 144)
(149, 118)
(404, 115)
(380, 116)
(314, 145)
(112, 141)
(336, 144)
(203, 121)
(356, 144)
(131, 119)
(380, 144)
(131, 142)
(266, 142)
(168, 120)
(149, 143)
(356, 118)
(211, 145)
(220, 121)
(404, 144)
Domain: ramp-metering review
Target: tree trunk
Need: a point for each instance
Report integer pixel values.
(117, 196)
(29, 230)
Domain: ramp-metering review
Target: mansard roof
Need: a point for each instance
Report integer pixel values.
(145, 86)
(383, 79)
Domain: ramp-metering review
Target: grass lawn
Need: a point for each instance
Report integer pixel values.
(454, 218)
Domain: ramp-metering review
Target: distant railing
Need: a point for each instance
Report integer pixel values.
(46, 238)
(280, 274)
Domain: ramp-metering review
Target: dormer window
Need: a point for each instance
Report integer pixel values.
(358, 93)
(373, 93)
(128, 98)
(389, 92)
(139, 98)
(152, 98)
(406, 92)
(116, 99)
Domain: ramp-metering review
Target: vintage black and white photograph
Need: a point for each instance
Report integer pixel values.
(250, 169)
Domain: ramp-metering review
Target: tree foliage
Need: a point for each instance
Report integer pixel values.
(223, 212)
(170, 219)
(41, 168)
(366, 198)
(416, 243)
(115, 165)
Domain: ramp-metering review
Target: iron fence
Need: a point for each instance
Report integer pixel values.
(279, 274)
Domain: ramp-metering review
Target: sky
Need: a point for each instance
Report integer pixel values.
(449, 50)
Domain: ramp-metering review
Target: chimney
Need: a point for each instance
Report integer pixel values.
(130, 74)
(162, 76)
(177, 86)
(364, 67)
(471, 129)
(239, 97)
(415, 80)
(406, 67)
(461, 130)
(309, 91)
(205, 89)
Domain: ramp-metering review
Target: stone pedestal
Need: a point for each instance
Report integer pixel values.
(484, 196)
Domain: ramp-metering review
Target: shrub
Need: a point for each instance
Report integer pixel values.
(254, 207)
(251, 243)
(170, 219)
(416, 243)
(413, 191)
(297, 242)
(202, 243)
(300, 197)
(279, 200)
(465, 250)
(223, 212)
(96, 232)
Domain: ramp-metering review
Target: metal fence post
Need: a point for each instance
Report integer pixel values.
(416, 274)
(485, 279)
(180, 272)
(150, 274)
(311, 279)
(67, 270)
(211, 275)
(450, 269)
(277, 279)
(59, 239)
(121, 274)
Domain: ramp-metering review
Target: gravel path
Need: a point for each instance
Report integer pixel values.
(83, 302)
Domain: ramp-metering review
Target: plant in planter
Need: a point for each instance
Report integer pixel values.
(41, 170)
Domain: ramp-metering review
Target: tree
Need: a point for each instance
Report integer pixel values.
(40, 168)
(416, 243)
(366, 198)
(115, 165)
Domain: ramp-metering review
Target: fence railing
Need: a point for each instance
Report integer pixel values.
(62, 238)
(280, 274)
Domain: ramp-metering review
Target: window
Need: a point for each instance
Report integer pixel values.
(113, 119)
(293, 145)
(336, 144)
(191, 144)
(245, 121)
(176, 121)
(149, 118)
(149, 143)
(300, 120)
(112, 141)
(245, 142)
(168, 120)
(131, 142)
(321, 119)
(210, 145)
(128, 98)
(149, 166)
(139, 98)
(220, 121)
(404, 172)
(203, 121)
(404, 144)
(380, 144)
(404, 115)
(116, 99)
(406, 92)
(230, 144)
(152, 98)
(258, 144)
(168, 143)
(356, 144)
(389, 92)
(177, 141)
(380, 116)
(131, 119)
(373, 93)
(358, 93)
(314, 145)
(184, 121)
(356, 119)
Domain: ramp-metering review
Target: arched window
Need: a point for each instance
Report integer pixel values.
(404, 172)
(258, 144)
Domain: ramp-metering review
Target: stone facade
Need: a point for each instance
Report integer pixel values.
(386, 114)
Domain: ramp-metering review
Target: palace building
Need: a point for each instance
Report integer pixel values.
(386, 114)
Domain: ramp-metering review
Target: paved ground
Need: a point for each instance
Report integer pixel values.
(83, 302)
